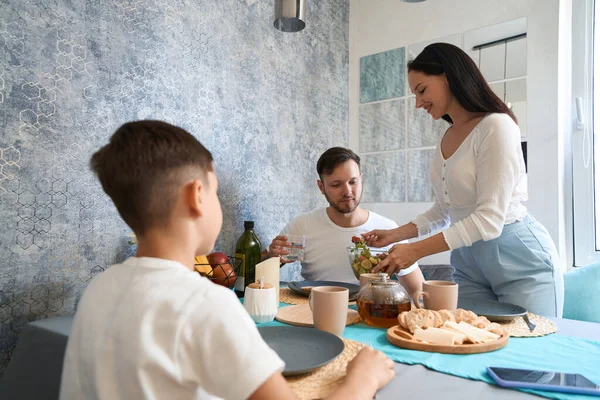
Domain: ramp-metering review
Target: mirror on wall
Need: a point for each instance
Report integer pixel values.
(500, 52)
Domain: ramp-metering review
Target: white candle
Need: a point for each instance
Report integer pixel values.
(270, 270)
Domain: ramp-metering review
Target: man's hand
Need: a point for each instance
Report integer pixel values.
(277, 248)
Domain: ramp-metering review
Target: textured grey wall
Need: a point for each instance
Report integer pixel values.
(264, 102)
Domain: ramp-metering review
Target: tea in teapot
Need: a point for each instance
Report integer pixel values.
(379, 302)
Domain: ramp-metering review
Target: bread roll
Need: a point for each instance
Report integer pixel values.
(402, 319)
(418, 319)
(495, 328)
(437, 319)
(467, 316)
(481, 322)
(447, 316)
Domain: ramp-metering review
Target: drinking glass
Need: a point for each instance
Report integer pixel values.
(297, 248)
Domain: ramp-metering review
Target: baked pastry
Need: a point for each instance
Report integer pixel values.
(419, 319)
(402, 319)
(437, 319)
(481, 322)
(495, 328)
(467, 316)
(447, 316)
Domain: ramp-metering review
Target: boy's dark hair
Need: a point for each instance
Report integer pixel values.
(334, 157)
(466, 82)
(144, 165)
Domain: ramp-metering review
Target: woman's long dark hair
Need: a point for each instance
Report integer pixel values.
(466, 82)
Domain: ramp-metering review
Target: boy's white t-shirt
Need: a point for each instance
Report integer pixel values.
(326, 255)
(152, 329)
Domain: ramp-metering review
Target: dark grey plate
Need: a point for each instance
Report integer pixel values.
(492, 310)
(296, 287)
(302, 349)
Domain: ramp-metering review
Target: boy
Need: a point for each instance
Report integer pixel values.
(151, 327)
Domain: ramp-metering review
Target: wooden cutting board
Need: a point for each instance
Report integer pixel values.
(400, 337)
(301, 315)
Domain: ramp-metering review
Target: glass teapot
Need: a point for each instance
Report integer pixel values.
(380, 301)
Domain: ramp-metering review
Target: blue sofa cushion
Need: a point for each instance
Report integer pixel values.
(582, 293)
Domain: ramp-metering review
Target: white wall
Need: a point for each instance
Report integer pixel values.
(380, 25)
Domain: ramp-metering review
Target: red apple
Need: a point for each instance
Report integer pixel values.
(222, 272)
(217, 258)
(223, 275)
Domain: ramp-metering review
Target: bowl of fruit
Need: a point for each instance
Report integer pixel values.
(219, 268)
(363, 258)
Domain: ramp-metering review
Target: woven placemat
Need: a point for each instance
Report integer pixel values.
(287, 296)
(518, 328)
(324, 380)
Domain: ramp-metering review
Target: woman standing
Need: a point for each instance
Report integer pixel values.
(499, 251)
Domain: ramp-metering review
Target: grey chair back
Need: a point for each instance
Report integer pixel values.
(35, 369)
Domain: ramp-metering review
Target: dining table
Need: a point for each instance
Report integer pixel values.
(35, 370)
(417, 380)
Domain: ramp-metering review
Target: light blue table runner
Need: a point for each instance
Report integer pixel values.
(554, 352)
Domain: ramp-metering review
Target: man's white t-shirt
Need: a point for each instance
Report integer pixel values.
(326, 255)
(152, 329)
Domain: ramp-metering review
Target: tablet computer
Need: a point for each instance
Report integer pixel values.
(544, 380)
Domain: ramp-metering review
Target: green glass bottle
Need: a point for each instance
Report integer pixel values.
(248, 253)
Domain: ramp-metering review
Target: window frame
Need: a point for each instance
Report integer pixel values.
(586, 94)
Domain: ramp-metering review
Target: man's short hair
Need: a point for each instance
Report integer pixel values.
(144, 165)
(334, 157)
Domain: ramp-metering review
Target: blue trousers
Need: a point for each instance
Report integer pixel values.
(521, 267)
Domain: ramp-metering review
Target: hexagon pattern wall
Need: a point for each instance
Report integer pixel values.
(267, 104)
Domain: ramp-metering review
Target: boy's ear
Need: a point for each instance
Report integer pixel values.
(320, 185)
(194, 197)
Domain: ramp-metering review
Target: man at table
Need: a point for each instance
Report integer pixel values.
(329, 230)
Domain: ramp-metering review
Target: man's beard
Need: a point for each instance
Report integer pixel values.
(348, 208)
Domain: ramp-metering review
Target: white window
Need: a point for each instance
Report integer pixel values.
(586, 137)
